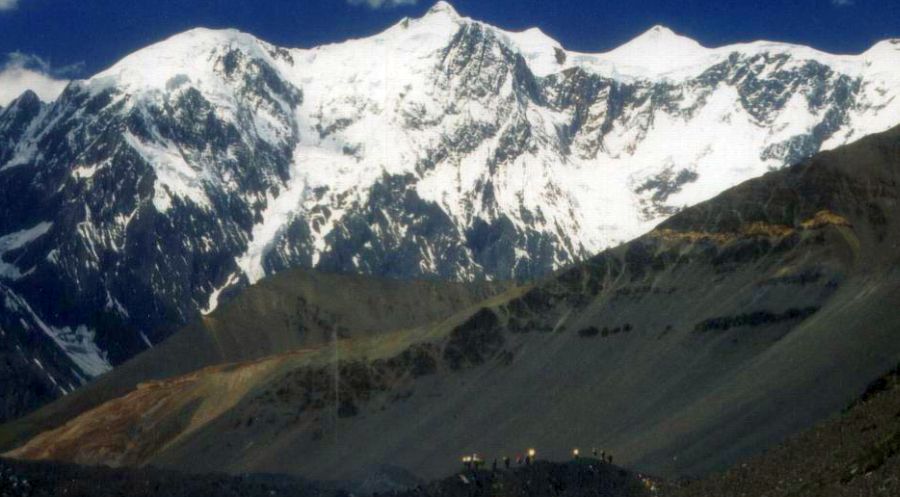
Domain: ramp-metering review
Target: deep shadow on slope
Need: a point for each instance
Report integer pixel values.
(856, 453)
(582, 478)
(28, 479)
(579, 478)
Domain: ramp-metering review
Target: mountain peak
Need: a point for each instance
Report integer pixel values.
(659, 30)
(657, 51)
(185, 53)
(27, 97)
(28, 102)
(442, 7)
(662, 37)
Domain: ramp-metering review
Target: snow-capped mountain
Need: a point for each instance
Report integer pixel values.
(442, 147)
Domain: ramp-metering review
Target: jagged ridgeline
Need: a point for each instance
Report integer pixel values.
(732, 325)
(440, 148)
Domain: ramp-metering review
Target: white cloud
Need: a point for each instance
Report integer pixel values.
(377, 4)
(8, 4)
(29, 72)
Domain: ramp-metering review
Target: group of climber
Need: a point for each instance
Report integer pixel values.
(473, 462)
(601, 455)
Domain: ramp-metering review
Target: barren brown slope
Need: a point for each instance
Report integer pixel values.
(735, 324)
(293, 310)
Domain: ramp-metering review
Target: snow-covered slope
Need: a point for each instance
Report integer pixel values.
(442, 147)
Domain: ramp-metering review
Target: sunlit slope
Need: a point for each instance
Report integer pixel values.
(290, 311)
(736, 323)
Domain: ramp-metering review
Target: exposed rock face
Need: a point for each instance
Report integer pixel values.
(442, 147)
(736, 323)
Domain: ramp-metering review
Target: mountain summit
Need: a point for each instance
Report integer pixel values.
(443, 147)
(659, 51)
(442, 7)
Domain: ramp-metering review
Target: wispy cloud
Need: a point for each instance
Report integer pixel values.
(842, 3)
(8, 4)
(23, 72)
(377, 4)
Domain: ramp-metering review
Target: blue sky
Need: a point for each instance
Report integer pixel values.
(60, 39)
